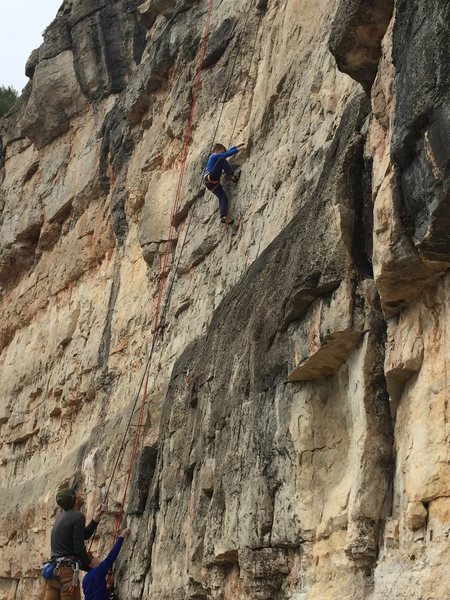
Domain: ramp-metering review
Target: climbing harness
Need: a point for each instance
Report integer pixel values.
(50, 571)
(211, 184)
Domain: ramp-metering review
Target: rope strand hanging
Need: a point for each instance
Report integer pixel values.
(213, 138)
(164, 280)
(163, 272)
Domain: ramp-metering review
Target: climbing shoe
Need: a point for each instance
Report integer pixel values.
(226, 220)
(235, 177)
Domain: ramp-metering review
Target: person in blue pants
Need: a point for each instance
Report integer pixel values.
(216, 165)
(94, 582)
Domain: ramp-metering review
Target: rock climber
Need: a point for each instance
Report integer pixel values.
(68, 551)
(95, 585)
(216, 165)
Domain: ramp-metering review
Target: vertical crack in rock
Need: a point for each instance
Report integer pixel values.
(362, 206)
(118, 216)
(370, 500)
(105, 343)
(141, 480)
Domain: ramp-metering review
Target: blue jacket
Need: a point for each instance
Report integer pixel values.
(215, 157)
(94, 582)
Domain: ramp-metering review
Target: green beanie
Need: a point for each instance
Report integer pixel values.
(65, 498)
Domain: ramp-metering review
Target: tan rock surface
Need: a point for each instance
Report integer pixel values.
(295, 434)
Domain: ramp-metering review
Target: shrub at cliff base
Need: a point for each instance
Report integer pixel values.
(8, 97)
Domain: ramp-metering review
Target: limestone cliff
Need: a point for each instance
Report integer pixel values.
(296, 433)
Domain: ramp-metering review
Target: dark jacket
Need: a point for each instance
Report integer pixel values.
(68, 534)
(94, 582)
(214, 158)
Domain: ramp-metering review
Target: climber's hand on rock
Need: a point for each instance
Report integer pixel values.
(125, 533)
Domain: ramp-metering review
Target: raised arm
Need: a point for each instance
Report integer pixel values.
(235, 149)
(90, 529)
(230, 152)
(108, 562)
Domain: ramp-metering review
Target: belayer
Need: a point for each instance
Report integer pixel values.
(216, 165)
(68, 550)
(95, 582)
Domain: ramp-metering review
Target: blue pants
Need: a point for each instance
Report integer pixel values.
(216, 188)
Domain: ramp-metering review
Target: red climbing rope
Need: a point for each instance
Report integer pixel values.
(213, 138)
(164, 267)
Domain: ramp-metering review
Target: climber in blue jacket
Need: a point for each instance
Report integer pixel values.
(94, 582)
(216, 165)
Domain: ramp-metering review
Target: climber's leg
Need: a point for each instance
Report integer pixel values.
(223, 202)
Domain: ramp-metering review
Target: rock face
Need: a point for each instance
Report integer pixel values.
(294, 436)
